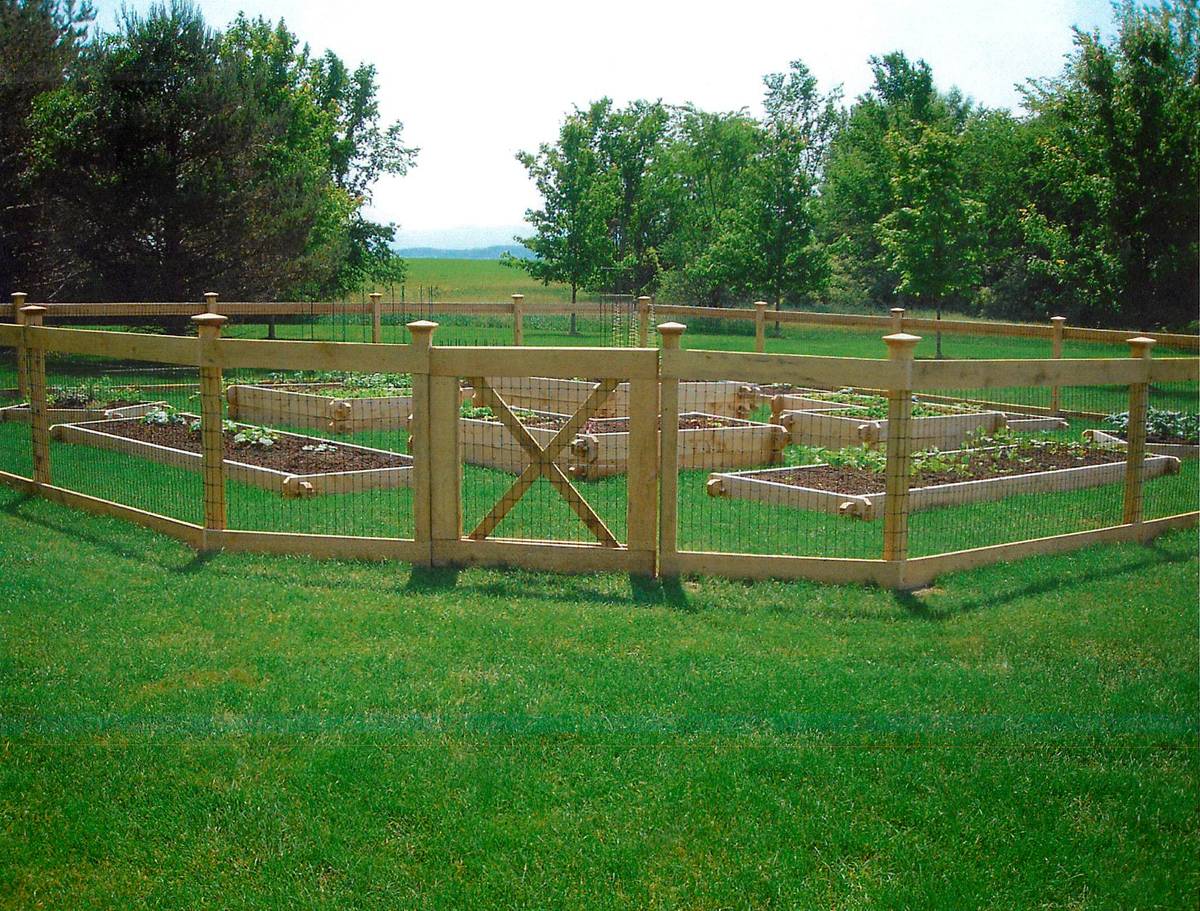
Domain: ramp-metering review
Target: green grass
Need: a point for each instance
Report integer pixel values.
(475, 280)
(244, 732)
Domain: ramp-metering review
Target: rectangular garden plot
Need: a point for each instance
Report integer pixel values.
(1179, 449)
(98, 412)
(538, 393)
(706, 441)
(319, 406)
(601, 448)
(285, 468)
(859, 492)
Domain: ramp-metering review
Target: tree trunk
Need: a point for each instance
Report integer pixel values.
(938, 318)
(573, 289)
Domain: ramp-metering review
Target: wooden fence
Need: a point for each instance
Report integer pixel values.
(1054, 332)
(654, 379)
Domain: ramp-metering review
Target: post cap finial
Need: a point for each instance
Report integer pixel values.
(1140, 346)
(208, 295)
(216, 320)
(671, 328)
(518, 297)
(421, 325)
(1058, 319)
(761, 305)
(896, 310)
(34, 310)
(19, 296)
(375, 295)
(901, 344)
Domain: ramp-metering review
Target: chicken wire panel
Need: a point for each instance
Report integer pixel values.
(318, 452)
(126, 431)
(741, 478)
(1018, 463)
(1172, 427)
(16, 443)
(586, 504)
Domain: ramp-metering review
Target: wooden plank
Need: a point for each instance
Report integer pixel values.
(548, 556)
(840, 570)
(1175, 370)
(986, 374)
(630, 363)
(641, 514)
(352, 357)
(445, 463)
(794, 369)
(330, 547)
(920, 571)
(131, 346)
(1135, 450)
(184, 531)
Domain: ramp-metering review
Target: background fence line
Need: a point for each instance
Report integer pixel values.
(657, 385)
(1055, 331)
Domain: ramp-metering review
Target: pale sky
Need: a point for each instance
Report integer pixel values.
(474, 82)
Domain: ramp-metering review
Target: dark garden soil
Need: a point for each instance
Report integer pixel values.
(287, 454)
(860, 481)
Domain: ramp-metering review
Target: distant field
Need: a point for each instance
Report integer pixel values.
(476, 280)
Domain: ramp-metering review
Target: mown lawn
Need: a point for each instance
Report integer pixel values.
(245, 732)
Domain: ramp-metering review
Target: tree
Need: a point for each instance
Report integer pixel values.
(39, 42)
(857, 191)
(1113, 224)
(770, 246)
(579, 199)
(930, 235)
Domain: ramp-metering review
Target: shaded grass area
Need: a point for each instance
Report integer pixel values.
(250, 732)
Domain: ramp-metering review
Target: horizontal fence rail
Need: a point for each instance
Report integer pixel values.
(644, 312)
(639, 460)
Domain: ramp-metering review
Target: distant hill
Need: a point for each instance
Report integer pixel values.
(517, 250)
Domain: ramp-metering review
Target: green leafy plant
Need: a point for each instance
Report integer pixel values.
(319, 447)
(164, 417)
(1174, 425)
(88, 394)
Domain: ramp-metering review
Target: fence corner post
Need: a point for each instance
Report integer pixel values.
(518, 312)
(1056, 351)
(760, 326)
(212, 442)
(18, 303)
(897, 319)
(376, 317)
(419, 440)
(35, 379)
(668, 450)
(1135, 433)
(643, 307)
(899, 454)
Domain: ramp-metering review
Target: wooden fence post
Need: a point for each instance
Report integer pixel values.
(668, 453)
(212, 441)
(445, 466)
(899, 455)
(897, 319)
(643, 304)
(518, 311)
(376, 317)
(210, 302)
(1056, 350)
(18, 302)
(760, 326)
(1135, 434)
(421, 333)
(36, 380)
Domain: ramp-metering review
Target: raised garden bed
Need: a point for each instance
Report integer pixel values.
(1179, 449)
(860, 419)
(706, 441)
(1175, 433)
(601, 447)
(91, 400)
(286, 467)
(539, 393)
(949, 479)
(338, 407)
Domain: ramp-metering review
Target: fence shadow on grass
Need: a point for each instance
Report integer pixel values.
(937, 608)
